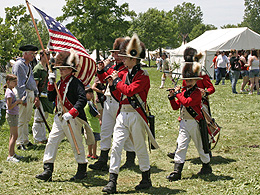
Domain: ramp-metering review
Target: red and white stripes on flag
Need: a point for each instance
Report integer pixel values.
(61, 39)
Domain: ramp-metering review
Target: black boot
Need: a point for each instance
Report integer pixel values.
(176, 174)
(210, 153)
(81, 172)
(206, 169)
(146, 182)
(101, 164)
(110, 188)
(46, 175)
(171, 155)
(130, 160)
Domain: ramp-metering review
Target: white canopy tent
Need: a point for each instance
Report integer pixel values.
(213, 40)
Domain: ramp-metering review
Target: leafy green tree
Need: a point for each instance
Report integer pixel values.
(96, 23)
(252, 15)
(155, 28)
(230, 26)
(9, 38)
(200, 29)
(28, 32)
(187, 16)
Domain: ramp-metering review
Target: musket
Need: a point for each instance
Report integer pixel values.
(44, 119)
(55, 84)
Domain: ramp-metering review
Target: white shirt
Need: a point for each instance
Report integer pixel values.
(254, 64)
(222, 61)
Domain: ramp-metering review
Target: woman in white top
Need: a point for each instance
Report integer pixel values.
(254, 64)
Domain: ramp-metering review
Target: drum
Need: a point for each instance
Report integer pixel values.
(213, 127)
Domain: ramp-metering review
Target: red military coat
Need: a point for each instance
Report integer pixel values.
(193, 101)
(205, 83)
(108, 71)
(140, 85)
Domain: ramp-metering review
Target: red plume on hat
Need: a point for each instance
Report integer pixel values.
(67, 59)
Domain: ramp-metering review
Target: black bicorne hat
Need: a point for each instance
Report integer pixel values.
(28, 48)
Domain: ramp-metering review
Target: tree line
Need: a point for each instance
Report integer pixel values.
(96, 23)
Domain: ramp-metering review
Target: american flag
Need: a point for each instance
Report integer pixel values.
(61, 39)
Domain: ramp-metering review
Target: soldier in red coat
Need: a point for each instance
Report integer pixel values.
(111, 106)
(192, 122)
(204, 84)
(131, 120)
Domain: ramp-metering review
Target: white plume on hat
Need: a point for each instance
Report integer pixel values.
(134, 48)
(73, 58)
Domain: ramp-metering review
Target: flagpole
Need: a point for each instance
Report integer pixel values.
(55, 85)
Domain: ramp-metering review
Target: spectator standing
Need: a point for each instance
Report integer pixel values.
(12, 115)
(244, 71)
(40, 73)
(234, 68)
(93, 116)
(166, 69)
(26, 89)
(221, 66)
(214, 64)
(254, 64)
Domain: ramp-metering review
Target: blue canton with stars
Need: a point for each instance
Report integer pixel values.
(52, 24)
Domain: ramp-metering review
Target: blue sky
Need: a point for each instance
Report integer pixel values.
(218, 13)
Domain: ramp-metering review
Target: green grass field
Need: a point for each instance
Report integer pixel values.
(235, 161)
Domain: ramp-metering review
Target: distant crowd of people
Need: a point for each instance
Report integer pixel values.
(238, 63)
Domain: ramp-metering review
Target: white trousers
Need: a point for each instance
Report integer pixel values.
(129, 123)
(60, 129)
(164, 76)
(25, 114)
(111, 107)
(189, 129)
(38, 128)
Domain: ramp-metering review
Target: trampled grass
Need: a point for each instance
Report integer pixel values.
(235, 159)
